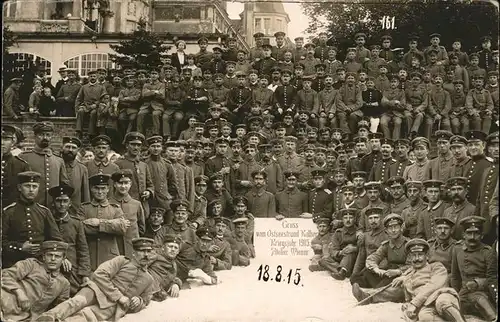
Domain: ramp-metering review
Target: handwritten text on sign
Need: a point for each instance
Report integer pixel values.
(288, 237)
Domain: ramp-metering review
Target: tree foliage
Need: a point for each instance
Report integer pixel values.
(141, 50)
(467, 20)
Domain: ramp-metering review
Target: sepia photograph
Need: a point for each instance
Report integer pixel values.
(249, 160)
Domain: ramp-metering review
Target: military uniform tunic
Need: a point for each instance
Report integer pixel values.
(425, 225)
(381, 170)
(410, 217)
(440, 167)
(164, 180)
(52, 169)
(486, 191)
(291, 203)
(475, 173)
(41, 288)
(417, 171)
(320, 201)
(457, 213)
(442, 252)
(223, 255)
(24, 221)
(323, 241)
(133, 212)
(398, 168)
(102, 239)
(11, 166)
(78, 179)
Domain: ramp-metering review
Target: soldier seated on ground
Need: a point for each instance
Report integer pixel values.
(164, 269)
(320, 243)
(117, 287)
(343, 249)
(241, 251)
(31, 286)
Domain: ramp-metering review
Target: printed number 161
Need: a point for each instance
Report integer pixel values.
(388, 22)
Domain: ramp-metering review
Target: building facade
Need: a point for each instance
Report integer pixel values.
(78, 33)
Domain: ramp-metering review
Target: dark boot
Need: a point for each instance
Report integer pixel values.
(340, 274)
(486, 310)
(453, 314)
(359, 294)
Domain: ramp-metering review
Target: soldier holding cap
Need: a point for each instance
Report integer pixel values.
(86, 103)
(31, 285)
(469, 279)
(26, 223)
(42, 160)
(460, 207)
(320, 242)
(77, 171)
(394, 252)
(76, 266)
(96, 300)
(103, 221)
(142, 183)
(291, 202)
(441, 247)
(11, 166)
(132, 209)
(343, 250)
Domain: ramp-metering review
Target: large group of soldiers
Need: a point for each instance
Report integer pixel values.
(87, 240)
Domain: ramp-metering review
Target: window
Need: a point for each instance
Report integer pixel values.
(85, 63)
(170, 13)
(280, 24)
(258, 24)
(25, 60)
(267, 26)
(9, 9)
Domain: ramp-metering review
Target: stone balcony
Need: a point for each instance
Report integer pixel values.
(183, 27)
(69, 25)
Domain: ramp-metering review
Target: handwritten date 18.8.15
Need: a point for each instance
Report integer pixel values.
(266, 275)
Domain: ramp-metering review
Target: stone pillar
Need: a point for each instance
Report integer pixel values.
(77, 8)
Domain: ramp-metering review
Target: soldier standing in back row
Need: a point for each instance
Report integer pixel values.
(142, 184)
(42, 160)
(11, 166)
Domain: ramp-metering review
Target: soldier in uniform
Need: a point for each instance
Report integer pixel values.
(381, 170)
(460, 207)
(163, 176)
(256, 51)
(397, 168)
(261, 203)
(279, 50)
(299, 51)
(142, 184)
(103, 221)
(319, 199)
(461, 161)
(386, 51)
(373, 192)
(320, 243)
(435, 208)
(439, 167)
(101, 162)
(479, 106)
(441, 247)
(32, 285)
(77, 172)
(219, 163)
(76, 265)
(271, 168)
(442, 54)
(369, 160)
(399, 201)
(368, 243)
(203, 56)
(241, 251)
(104, 298)
(290, 160)
(487, 186)
(479, 162)
(342, 251)
(11, 166)
(26, 223)
(42, 160)
(415, 206)
(360, 197)
(428, 296)
(132, 210)
(266, 63)
(291, 202)
(485, 55)
(419, 170)
(221, 254)
(387, 262)
(468, 270)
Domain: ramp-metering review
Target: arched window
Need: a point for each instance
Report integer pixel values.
(23, 61)
(87, 62)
